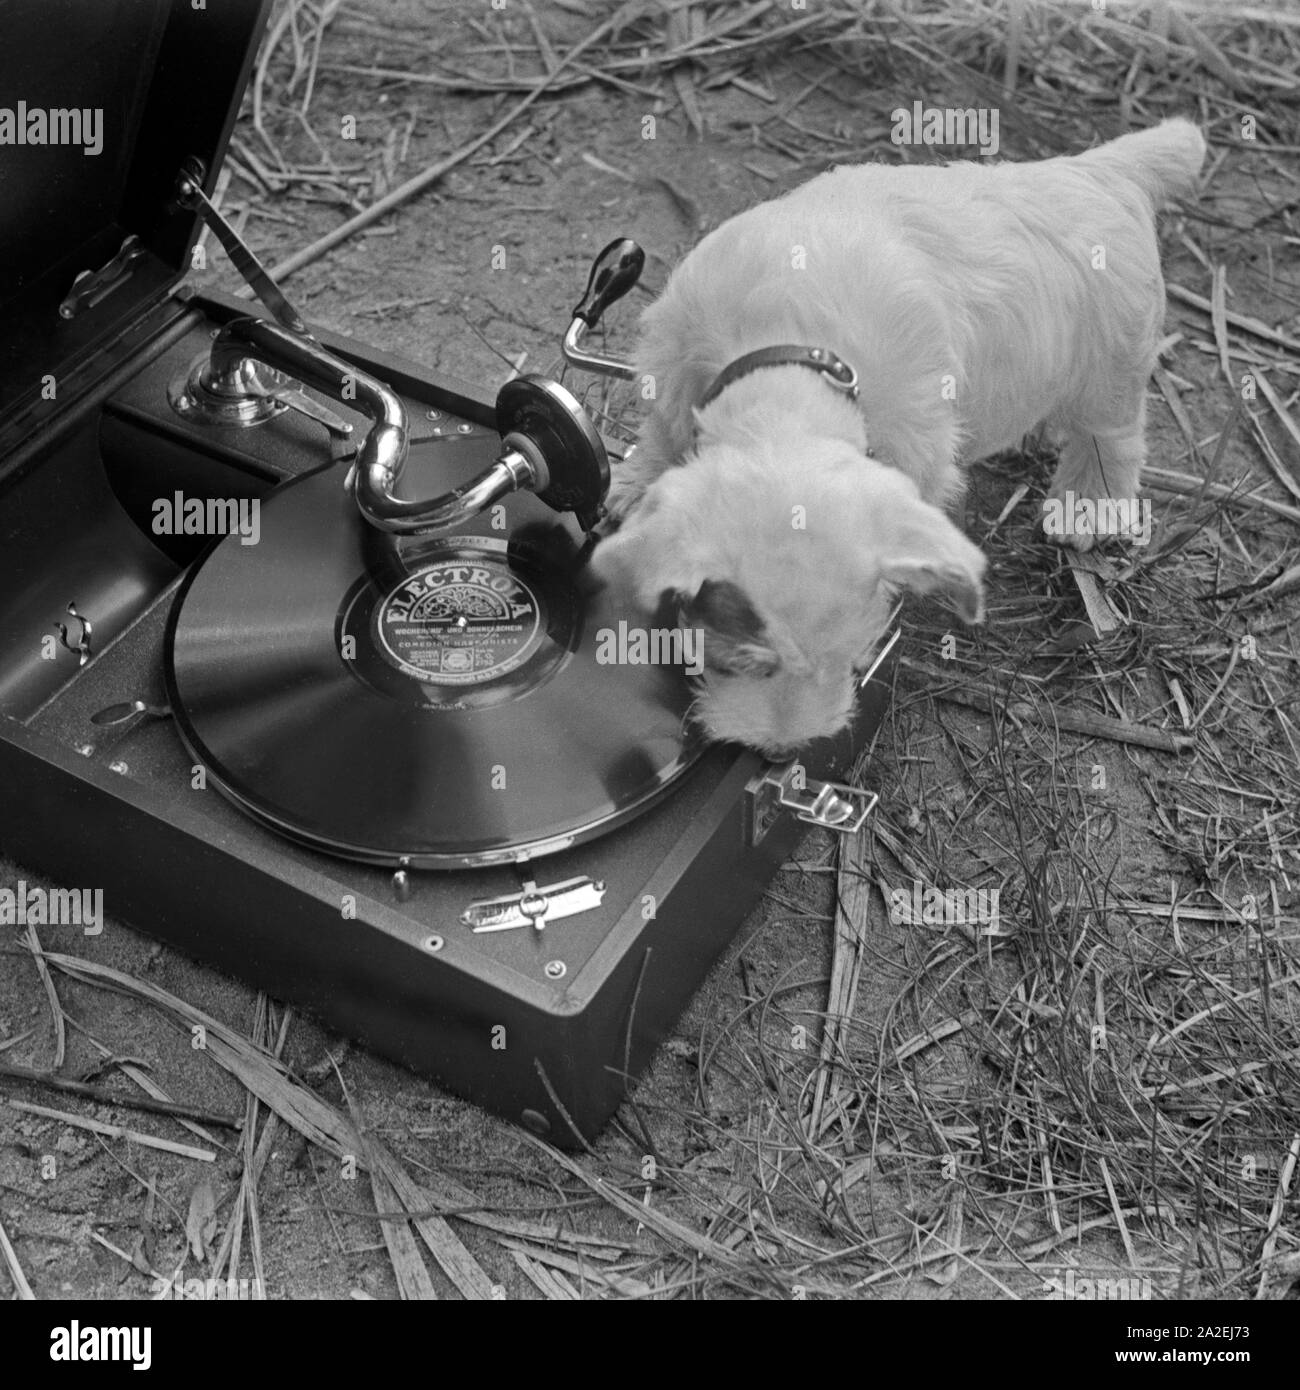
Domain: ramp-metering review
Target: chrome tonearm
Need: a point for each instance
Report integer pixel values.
(549, 445)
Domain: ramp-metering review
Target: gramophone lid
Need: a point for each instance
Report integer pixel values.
(100, 102)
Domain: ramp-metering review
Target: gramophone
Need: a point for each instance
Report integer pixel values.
(299, 656)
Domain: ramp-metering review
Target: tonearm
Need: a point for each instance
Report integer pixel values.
(549, 444)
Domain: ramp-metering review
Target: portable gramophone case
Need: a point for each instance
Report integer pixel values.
(338, 727)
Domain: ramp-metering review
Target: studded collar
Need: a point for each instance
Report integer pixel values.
(833, 370)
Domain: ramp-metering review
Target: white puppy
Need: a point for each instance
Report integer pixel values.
(974, 301)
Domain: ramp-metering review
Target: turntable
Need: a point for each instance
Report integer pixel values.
(359, 748)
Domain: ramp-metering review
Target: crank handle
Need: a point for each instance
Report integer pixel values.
(613, 273)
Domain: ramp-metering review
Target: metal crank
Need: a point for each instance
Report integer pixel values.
(613, 273)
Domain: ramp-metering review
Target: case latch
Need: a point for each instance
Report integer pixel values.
(831, 805)
(534, 906)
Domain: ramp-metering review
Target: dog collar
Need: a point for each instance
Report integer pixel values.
(833, 370)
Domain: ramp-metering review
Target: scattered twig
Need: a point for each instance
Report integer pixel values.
(102, 1096)
(1069, 721)
(56, 1009)
(23, 1288)
(437, 170)
(115, 1131)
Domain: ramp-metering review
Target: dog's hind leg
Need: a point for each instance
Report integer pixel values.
(1101, 463)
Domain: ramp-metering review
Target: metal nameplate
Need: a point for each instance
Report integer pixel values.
(533, 906)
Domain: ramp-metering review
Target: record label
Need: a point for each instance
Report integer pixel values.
(459, 622)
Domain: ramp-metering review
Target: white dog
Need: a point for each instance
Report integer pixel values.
(973, 301)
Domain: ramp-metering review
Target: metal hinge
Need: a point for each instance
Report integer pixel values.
(534, 906)
(91, 286)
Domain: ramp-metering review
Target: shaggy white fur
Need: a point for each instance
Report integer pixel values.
(975, 301)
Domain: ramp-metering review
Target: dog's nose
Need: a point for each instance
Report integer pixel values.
(781, 752)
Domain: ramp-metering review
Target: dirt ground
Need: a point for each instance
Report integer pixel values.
(573, 173)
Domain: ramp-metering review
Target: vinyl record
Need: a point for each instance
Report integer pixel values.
(442, 702)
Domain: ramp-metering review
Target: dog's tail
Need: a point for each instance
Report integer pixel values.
(1164, 161)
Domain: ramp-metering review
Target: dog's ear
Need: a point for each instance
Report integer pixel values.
(926, 553)
(652, 557)
(735, 636)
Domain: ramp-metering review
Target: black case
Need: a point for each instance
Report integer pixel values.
(545, 1027)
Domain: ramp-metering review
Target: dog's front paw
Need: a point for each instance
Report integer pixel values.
(1065, 523)
(1082, 541)
(626, 488)
(620, 502)
(1080, 522)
